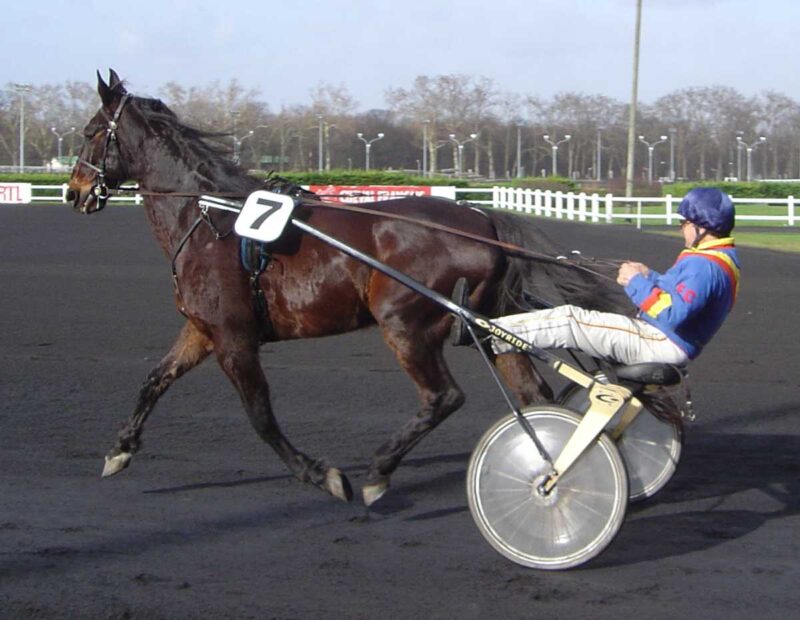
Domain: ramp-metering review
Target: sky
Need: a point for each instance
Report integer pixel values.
(283, 49)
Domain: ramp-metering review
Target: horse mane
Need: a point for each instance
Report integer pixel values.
(581, 281)
(213, 159)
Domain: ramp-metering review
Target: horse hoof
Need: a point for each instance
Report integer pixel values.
(373, 492)
(115, 464)
(337, 484)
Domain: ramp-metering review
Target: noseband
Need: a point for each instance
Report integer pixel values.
(100, 187)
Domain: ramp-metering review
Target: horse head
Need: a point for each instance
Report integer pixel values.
(101, 164)
(141, 139)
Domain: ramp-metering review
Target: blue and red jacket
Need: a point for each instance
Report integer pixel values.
(692, 299)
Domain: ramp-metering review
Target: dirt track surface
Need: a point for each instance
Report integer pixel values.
(207, 523)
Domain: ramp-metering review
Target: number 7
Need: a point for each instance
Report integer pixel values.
(272, 208)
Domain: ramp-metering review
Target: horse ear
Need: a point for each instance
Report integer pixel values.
(115, 83)
(113, 79)
(111, 92)
(106, 93)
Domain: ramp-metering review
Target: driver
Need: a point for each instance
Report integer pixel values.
(679, 311)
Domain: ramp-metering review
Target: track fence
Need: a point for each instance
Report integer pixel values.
(660, 210)
(581, 207)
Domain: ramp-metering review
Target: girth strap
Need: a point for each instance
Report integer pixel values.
(255, 258)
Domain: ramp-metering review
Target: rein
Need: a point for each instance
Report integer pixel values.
(511, 248)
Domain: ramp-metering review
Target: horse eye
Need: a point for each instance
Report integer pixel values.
(90, 133)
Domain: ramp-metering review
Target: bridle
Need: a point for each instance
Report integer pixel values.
(100, 188)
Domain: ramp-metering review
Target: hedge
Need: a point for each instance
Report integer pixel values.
(35, 178)
(364, 177)
(738, 190)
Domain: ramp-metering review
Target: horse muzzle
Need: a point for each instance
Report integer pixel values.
(88, 199)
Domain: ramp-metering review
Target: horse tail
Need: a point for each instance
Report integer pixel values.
(586, 282)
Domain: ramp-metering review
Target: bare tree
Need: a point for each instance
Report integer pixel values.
(230, 109)
(334, 107)
(47, 106)
(705, 120)
(450, 104)
(778, 122)
(9, 117)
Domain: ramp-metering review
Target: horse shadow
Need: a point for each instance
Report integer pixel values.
(220, 484)
(398, 500)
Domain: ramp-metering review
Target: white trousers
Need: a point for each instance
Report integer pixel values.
(609, 336)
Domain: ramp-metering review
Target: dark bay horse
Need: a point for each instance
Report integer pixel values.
(310, 288)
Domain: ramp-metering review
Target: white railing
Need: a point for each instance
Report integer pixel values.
(58, 193)
(608, 208)
(580, 207)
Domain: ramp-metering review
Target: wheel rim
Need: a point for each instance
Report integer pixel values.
(650, 447)
(561, 530)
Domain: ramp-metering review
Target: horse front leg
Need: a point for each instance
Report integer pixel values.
(191, 348)
(242, 366)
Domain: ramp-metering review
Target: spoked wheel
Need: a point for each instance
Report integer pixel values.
(565, 528)
(650, 447)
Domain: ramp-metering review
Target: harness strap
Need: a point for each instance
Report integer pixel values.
(255, 258)
(175, 254)
(266, 331)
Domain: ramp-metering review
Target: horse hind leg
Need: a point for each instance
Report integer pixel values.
(521, 376)
(422, 358)
(242, 366)
(517, 369)
(189, 350)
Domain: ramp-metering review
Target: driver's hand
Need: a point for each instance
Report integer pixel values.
(628, 270)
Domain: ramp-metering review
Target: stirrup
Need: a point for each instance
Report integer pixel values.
(459, 336)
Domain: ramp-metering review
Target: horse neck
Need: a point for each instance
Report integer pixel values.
(163, 172)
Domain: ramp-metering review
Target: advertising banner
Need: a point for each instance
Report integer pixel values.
(372, 193)
(15, 193)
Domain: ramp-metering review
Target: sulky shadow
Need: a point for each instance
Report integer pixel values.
(714, 468)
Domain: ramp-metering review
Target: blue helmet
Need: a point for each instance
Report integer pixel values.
(709, 208)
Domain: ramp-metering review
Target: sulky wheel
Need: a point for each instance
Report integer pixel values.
(650, 447)
(565, 528)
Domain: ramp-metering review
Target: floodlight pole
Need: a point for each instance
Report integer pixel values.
(460, 145)
(634, 96)
(368, 146)
(22, 89)
(60, 137)
(554, 150)
(750, 148)
(650, 148)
